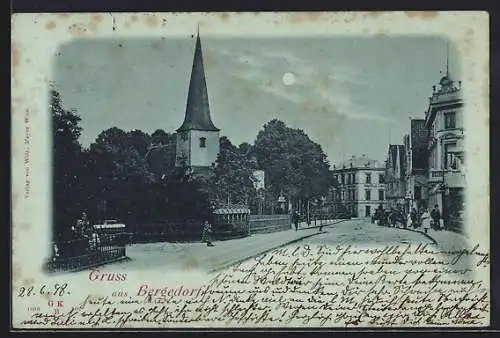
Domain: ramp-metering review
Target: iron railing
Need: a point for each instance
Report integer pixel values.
(83, 253)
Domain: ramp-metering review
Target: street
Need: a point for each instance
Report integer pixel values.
(193, 256)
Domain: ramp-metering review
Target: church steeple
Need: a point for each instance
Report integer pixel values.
(197, 107)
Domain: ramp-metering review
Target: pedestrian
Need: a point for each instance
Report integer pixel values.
(436, 217)
(295, 219)
(408, 221)
(413, 217)
(393, 217)
(426, 220)
(206, 234)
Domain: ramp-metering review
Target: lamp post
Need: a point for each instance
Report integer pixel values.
(281, 202)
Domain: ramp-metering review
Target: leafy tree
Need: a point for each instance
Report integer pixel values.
(294, 165)
(234, 173)
(118, 175)
(161, 153)
(67, 160)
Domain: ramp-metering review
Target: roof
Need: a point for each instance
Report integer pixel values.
(396, 151)
(362, 162)
(197, 107)
(225, 211)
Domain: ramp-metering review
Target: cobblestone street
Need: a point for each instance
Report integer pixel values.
(189, 256)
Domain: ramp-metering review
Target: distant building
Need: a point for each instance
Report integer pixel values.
(416, 165)
(445, 150)
(395, 176)
(361, 187)
(197, 138)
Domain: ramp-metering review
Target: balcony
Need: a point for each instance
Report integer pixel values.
(435, 176)
(439, 98)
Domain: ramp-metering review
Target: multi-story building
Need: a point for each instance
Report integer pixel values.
(361, 187)
(444, 122)
(416, 166)
(395, 176)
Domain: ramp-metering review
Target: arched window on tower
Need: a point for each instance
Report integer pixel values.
(203, 142)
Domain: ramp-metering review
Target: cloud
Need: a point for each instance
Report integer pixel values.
(320, 89)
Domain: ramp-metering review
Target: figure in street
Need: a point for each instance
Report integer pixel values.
(408, 220)
(436, 217)
(295, 219)
(413, 217)
(206, 234)
(426, 220)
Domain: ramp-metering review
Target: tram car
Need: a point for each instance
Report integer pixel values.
(227, 222)
(231, 222)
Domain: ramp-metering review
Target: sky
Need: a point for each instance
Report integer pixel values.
(353, 96)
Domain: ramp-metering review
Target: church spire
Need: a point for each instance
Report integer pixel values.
(197, 107)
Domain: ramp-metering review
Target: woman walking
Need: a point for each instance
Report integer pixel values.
(426, 220)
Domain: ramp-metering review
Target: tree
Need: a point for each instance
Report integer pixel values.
(234, 173)
(67, 163)
(294, 165)
(161, 155)
(118, 175)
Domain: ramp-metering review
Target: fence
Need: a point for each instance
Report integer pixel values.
(184, 231)
(269, 223)
(83, 253)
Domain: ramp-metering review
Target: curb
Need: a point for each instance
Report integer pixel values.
(224, 266)
(417, 231)
(423, 233)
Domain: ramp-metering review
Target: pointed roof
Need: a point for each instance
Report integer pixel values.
(197, 107)
(396, 158)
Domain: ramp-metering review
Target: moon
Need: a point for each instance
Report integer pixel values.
(288, 79)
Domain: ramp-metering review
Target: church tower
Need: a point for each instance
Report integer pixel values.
(197, 138)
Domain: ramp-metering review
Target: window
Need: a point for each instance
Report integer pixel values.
(381, 195)
(380, 178)
(368, 195)
(348, 178)
(368, 178)
(449, 120)
(354, 178)
(203, 142)
(449, 158)
(342, 178)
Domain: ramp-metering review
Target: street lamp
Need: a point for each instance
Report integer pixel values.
(281, 202)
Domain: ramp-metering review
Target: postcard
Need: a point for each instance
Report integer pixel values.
(250, 170)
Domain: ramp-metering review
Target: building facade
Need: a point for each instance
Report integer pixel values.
(395, 168)
(416, 166)
(197, 143)
(445, 151)
(361, 187)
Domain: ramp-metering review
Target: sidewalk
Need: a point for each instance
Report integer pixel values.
(444, 238)
(197, 255)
